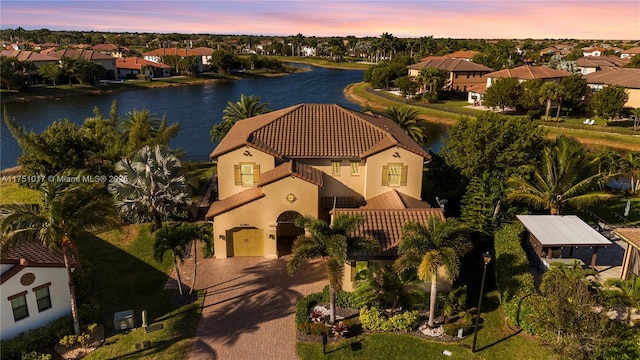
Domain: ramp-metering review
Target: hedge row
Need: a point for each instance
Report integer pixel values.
(513, 278)
(36, 339)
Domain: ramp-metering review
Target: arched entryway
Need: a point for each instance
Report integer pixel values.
(287, 232)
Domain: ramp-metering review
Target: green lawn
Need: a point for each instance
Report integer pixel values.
(351, 65)
(12, 193)
(127, 277)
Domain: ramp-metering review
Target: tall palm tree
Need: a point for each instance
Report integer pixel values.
(246, 107)
(630, 164)
(407, 118)
(624, 292)
(333, 242)
(607, 160)
(141, 128)
(151, 187)
(548, 92)
(426, 249)
(557, 181)
(174, 238)
(67, 211)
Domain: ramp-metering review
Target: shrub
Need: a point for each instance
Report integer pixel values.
(304, 306)
(312, 328)
(35, 356)
(372, 319)
(36, 338)
(344, 299)
(513, 279)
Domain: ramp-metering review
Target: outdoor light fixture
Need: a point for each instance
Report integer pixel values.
(221, 237)
(486, 257)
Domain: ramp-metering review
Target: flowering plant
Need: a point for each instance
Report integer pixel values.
(340, 329)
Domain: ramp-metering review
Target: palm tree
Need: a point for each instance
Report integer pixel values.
(67, 211)
(548, 93)
(556, 181)
(331, 242)
(407, 118)
(141, 128)
(626, 293)
(607, 160)
(439, 245)
(151, 187)
(630, 164)
(174, 238)
(246, 107)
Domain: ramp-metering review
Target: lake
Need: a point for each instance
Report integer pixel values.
(196, 107)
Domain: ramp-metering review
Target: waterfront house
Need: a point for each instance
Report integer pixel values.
(628, 78)
(462, 74)
(108, 62)
(134, 66)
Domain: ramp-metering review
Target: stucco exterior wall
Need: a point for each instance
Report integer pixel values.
(634, 98)
(226, 181)
(263, 213)
(349, 283)
(60, 300)
(343, 184)
(373, 175)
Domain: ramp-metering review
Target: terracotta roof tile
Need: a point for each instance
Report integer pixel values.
(24, 55)
(386, 226)
(601, 61)
(295, 169)
(630, 235)
(34, 253)
(626, 77)
(394, 200)
(136, 63)
(234, 201)
(527, 72)
(451, 65)
(317, 131)
(172, 52)
(79, 53)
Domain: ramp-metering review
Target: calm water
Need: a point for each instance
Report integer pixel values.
(196, 107)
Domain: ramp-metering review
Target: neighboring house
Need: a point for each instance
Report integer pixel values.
(588, 65)
(593, 51)
(34, 289)
(37, 59)
(629, 53)
(522, 73)
(317, 160)
(462, 73)
(133, 66)
(205, 53)
(628, 78)
(107, 61)
(111, 49)
(466, 55)
(158, 55)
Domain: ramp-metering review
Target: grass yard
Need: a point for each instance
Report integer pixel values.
(12, 193)
(351, 65)
(127, 277)
(611, 212)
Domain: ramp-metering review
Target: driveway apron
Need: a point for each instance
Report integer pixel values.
(249, 306)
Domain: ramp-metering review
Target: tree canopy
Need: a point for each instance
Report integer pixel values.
(504, 93)
(609, 101)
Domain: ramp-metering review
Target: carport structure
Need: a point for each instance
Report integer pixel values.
(550, 235)
(631, 261)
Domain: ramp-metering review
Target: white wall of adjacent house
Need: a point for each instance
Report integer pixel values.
(59, 294)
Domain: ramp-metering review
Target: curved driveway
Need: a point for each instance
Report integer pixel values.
(249, 307)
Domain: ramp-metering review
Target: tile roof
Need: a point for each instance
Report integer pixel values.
(203, 51)
(451, 65)
(136, 63)
(601, 61)
(24, 55)
(526, 72)
(295, 169)
(394, 199)
(626, 77)
(29, 255)
(386, 226)
(632, 51)
(234, 201)
(173, 52)
(79, 53)
(630, 235)
(317, 131)
(463, 54)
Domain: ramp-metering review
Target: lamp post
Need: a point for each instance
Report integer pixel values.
(487, 258)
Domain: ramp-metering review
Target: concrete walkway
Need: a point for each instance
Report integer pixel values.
(249, 306)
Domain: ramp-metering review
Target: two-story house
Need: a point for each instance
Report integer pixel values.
(462, 73)
(108, 62)
(317, 160)
(34, 289)
(158, 55)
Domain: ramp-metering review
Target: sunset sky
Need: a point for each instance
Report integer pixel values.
(575, 19)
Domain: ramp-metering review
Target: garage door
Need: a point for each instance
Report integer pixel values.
(248, 242)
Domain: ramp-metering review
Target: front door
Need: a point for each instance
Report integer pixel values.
(248, 242)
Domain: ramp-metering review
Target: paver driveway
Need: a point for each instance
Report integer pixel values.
(248, 311)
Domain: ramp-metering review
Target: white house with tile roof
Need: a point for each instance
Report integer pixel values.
(34, 289)
(318, 160)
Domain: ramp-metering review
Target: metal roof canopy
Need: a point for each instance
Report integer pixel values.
(562, 230)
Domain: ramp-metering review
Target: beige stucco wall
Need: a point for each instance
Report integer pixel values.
(58, 290)
(348, 283)
(226, 181)
(343, 184)
(263, 213)
(634, 98)
(373, 174)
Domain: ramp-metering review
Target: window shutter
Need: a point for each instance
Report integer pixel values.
(385, 175)
(237, 175)
(256, 173)
(403, 175)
